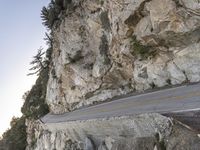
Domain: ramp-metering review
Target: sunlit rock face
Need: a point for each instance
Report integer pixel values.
(94, 60)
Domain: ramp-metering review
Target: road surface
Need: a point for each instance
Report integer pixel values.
(183, 98)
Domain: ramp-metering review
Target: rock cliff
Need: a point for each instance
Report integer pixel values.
(106, 48)
(102, 49)
(140, 132)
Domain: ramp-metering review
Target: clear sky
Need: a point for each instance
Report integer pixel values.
(21, 34)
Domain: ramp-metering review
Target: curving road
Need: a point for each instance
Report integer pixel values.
(183, 98)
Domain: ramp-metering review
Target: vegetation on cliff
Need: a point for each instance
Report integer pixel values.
(34, 105)
(50, 14)
(15, 138)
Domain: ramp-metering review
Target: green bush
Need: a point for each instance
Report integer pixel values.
(35, 105)
(15, 137)
(140, 50)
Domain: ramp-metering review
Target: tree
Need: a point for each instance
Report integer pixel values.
(49, 40)
(25, 95)
(50, 14)
(15, 137)
(38, 63)
(14, 121)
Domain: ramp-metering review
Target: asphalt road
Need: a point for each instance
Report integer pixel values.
(183, 98)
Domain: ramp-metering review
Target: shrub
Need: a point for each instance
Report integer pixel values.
(143, 51)
(35, 105)
(15, 137)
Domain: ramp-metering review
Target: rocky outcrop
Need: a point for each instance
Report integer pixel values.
(41, 138)
(140, 132)
(102, 49)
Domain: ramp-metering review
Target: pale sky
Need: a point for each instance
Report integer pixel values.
(21, 34)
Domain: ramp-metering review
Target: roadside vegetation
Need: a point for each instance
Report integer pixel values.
(15, 138)
(34, 105)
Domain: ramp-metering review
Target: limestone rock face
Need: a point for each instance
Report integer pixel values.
(181, 139)
(139, 132)
(94, 60)
(107, 48)
(40, 138)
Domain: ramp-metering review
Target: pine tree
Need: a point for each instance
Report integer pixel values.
(38, 63)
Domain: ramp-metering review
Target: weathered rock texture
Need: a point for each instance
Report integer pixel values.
(94, 60)
(141, 132)
(105, 48)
